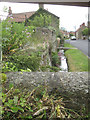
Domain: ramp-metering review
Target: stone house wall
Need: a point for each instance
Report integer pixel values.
(79, 31)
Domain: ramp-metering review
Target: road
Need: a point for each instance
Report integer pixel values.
(82, 45)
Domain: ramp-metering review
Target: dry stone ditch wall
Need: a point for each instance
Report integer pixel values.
(47, 35)
(71, 84)
(49, 40)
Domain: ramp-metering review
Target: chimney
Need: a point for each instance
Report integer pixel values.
(83, 24)
(10, 12)
(41, 5)
(47, 9)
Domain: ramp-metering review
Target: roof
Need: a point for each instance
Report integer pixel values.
(20, 17)
(81, 27)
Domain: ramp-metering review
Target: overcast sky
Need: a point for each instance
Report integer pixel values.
(71, 17)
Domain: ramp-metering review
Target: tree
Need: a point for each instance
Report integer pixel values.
(85, 32)
(71, 34)
(41, 21)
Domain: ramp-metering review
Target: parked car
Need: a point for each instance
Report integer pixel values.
(73, 38)
(84, 37)
(89, 38)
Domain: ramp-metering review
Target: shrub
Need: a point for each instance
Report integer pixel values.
(54, 69)
(14, 36)
(49, 68)
(25, 62)
(9, 66)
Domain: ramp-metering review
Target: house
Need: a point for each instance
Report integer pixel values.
(79, 31)
(25, 17)
(64, 33)
(19, 17)
(54, 18)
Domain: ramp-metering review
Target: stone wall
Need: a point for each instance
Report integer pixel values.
(45, 40)
(48, 36)
(48, 42)
(69, 81)
(74, 85)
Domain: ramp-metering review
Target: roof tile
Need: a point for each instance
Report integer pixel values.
(20, 17)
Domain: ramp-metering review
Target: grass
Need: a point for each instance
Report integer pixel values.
(77, 61)
(68, 45)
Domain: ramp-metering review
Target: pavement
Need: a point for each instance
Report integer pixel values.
(83, 45)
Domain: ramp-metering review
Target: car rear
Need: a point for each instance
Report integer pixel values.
(73, 38)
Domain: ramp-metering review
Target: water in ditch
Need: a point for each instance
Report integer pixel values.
(63, 65)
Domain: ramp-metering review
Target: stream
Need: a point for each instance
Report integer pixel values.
(63, 66)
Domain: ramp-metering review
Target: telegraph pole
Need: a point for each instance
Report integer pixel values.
(75, 30)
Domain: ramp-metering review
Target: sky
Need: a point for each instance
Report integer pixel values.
(71, 17)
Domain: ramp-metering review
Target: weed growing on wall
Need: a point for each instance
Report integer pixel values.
(38, 103)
